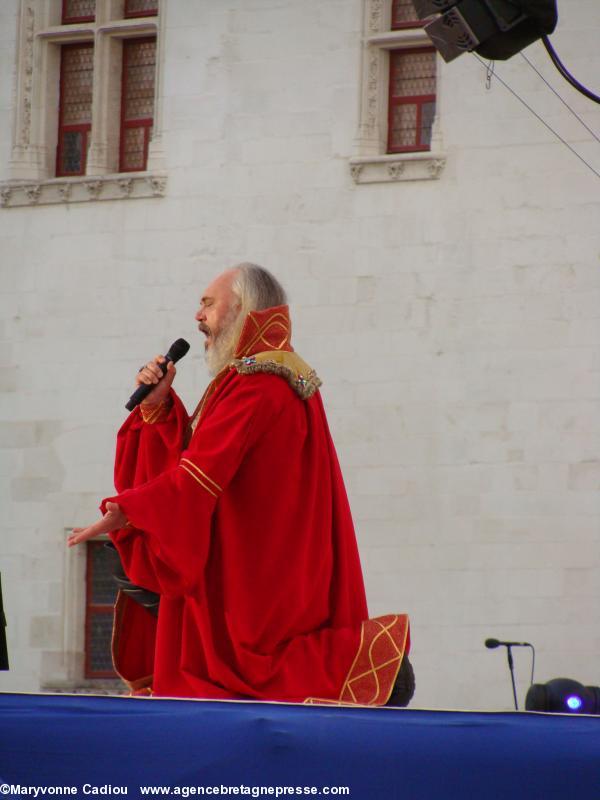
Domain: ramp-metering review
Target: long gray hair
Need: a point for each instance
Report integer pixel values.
(256, 288)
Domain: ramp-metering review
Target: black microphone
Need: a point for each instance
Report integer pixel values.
(491, 643)
(177, 350)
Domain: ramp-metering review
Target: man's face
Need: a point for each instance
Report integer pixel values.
(217, 317)
(217, 308)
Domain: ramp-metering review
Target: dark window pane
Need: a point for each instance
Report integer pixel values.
(99, 639)
(72, 153)
(102, 588)
(427, 115)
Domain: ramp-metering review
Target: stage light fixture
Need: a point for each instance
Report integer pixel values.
(496, 29)
(563, 696)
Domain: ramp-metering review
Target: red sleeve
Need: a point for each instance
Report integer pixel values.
(144, 451)
(167, 547)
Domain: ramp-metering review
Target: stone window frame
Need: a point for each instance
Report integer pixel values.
(64, 671)
(372, 163)
(32, 178)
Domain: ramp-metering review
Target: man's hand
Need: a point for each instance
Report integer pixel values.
(111, 521)
(150, 374)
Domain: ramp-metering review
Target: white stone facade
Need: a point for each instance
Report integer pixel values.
(454, 319)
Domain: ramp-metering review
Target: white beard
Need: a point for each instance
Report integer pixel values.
(222, 348)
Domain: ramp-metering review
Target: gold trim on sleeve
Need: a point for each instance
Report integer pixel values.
(156, 413)
(197, 479)
(202, 474)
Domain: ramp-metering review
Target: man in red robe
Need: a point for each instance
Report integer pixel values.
(238, 518)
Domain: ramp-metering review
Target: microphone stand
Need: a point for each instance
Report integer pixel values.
(511, 667)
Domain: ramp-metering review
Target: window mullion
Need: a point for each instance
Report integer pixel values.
(102, 153)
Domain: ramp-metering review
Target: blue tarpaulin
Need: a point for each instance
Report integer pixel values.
(112, 746)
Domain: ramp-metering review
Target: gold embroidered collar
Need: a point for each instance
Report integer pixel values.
(302, 378)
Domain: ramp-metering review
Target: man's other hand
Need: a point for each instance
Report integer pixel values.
(113, 520)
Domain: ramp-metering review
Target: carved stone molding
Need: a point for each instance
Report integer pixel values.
(158, 185)
(81, 190)
(64, 191)
(126, 186)
(355, 170)
(94, 188)
(410, 167)
(24, 134)
(375, 15)
(435, 166)
(32, 193)
(396, 169)
(5, 193)
(372, 105)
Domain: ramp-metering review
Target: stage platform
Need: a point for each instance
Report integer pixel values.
(90, 746)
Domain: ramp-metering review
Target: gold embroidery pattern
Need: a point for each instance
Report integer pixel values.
(373, 670)
(265, 332)
(371, 677)
(156, 413)
(200, 477)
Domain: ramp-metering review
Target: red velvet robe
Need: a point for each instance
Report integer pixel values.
(246, 533)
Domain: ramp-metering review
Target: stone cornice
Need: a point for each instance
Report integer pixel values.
(398, 167)
(84, 189)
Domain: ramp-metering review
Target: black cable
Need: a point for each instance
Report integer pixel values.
(562, 100)
(543, 121)
(565, 72)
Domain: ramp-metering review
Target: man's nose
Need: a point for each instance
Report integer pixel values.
(200, 315)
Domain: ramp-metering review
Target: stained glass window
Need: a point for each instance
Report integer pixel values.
(137, 104)
(412, 99)
(141, 8)
(75, 115)
(78, 11)
(101, 594)
(404, 14)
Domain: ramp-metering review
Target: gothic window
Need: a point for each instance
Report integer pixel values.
(137, 102)
(75, 107)
(86, 112)
(399, 136)
(411, 107)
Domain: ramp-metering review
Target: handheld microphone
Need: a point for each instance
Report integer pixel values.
(492, 643)
(177, 350)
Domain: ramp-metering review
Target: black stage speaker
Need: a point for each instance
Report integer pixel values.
(563, 696)
(496, 29)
